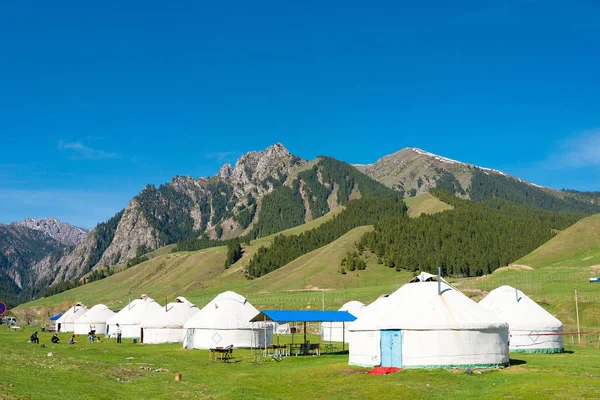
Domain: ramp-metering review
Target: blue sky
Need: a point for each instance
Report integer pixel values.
(98, 100)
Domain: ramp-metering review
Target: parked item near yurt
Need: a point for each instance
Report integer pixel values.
(66, 322)
(281, 329)
(131, 316)
(166, 325)
(94, 319)
(225, 321)
(428, 324)
(531, 328)
(338, 331)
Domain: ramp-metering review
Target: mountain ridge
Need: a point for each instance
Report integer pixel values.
(62, 231)
(412, 171)
(271, 190)
(248, 198)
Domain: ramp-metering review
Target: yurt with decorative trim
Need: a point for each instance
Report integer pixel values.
(225, 321)
(531, 329)
(428, 324)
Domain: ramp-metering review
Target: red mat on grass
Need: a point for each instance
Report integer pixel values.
(383, 370)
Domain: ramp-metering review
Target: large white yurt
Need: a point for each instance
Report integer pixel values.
(225, 321)
(66, 323)
(338, 331)
(166, 326)
(94, 319)
(131, 316)
(423, 325)
(531, 328)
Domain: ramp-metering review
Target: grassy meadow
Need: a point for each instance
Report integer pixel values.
(550, 275)
(576, 246)
(107, 371)
(425, 203)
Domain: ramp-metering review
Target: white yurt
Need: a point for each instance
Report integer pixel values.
(94, 319)
(166, 326)
(338, 331)
(423, 325)
(531, 328)
(131, 316)
(66, 323)
(225, 321)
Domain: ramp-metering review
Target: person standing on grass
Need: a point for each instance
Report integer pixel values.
(118, 334)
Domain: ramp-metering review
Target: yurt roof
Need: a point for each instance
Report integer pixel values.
(516, 308)
(72, 313)
(174, 315)
(135, 312)
(417, 306)
(352, 307)
(228, 310)
(97, 314)
(425, 277)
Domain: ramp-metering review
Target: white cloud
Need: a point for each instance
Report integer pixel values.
(579, 151)
(220, 155)
(86, 152)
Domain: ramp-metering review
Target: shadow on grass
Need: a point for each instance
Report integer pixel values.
(514, 362)
(568, 352)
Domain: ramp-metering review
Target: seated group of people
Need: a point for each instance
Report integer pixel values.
(55, 339)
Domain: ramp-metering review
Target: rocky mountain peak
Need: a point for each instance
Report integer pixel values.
(52, 227)
(225, 171)
(259, 165)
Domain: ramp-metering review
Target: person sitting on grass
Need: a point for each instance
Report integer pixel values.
(55, 339)
(34, 338)
(91, 336)
(72, 340)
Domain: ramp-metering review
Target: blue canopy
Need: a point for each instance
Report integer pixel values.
(56, 317)
(303, 316)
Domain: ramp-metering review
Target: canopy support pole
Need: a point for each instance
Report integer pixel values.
(304, 352)
(320, 333)
(439, 281)
(343, 337)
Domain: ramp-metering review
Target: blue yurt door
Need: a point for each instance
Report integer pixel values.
(391, 348)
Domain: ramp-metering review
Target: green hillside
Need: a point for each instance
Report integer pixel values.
(314, 277)
(170, 274)
(576, 246)
(425, 203)
(551, 274)
(319, 269)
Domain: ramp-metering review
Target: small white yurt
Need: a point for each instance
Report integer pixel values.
(166, 326)
(225, 321)
(531, 328)
(423, 325)
(131, 316)
(338, 331)
(66, 323)
(94, 319)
